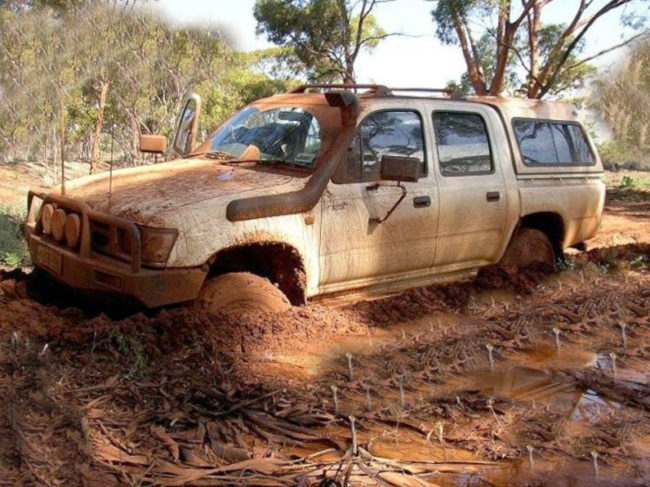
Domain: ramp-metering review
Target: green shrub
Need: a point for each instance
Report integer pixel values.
(13, 250)
(627, 182)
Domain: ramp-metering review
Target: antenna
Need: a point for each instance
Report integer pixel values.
(110, 174)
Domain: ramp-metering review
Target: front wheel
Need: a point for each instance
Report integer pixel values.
(241, 292)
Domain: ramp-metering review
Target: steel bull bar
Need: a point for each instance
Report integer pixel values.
(92, 271)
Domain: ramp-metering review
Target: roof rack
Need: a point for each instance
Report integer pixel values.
(374, 89)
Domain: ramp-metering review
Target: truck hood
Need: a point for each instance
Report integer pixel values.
(144, 194)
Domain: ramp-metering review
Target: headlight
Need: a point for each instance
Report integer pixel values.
(58, 224)
(72, 230)
(46, 218)
(157, 244)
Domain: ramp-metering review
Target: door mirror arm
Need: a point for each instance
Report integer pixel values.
(394, 207)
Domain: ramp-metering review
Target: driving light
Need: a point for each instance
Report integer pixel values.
(72, 230)
(157, 244)
(46, 218)
(58, 224)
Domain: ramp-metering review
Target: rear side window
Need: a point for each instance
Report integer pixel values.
(463, 143)
(552, 143)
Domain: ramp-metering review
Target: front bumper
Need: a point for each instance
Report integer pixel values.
(94, 272)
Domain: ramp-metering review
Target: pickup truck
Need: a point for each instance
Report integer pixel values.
(327, 189)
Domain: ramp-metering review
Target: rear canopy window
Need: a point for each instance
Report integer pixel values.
(552, 143)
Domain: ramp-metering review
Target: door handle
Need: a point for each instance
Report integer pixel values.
(492, 196)
(421, 201)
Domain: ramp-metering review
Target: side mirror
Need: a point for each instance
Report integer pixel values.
(188, 126)
(396, 168)
(153, 144)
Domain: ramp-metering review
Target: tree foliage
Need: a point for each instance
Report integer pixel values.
(326, 36)
(507, 47)
(622, 98)
(71, 71)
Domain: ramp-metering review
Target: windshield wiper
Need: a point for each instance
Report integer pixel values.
(220, 154)
(260, 161)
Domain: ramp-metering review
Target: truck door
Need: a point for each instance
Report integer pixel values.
(473, 198)
(372, 229)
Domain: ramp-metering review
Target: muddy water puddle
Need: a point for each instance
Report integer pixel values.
(325, 357)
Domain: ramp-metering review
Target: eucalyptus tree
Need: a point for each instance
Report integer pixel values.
(497, 37)
(327, 36)
(622, 98)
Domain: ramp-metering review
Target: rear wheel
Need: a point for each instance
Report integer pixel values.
(529, 248)
(241, 292)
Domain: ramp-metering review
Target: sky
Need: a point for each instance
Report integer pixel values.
(415, 60)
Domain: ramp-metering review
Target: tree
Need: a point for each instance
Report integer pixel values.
(622, 99)
(327, 36)
(66, 74)
(517, 39)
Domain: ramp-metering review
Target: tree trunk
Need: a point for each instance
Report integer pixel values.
(534, 25)
(99, 122)
(473, 71)
(348, 78)
(643, 133)
(135, 139)
(61, 96)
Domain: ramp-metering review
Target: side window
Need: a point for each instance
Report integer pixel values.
(535, 142)
(550, 142)
(384, 133)
(463, 143)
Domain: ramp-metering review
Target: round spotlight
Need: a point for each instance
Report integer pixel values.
(46, 218)
(58, 224)
(72, 230)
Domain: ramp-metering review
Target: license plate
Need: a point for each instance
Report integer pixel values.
(49, 258)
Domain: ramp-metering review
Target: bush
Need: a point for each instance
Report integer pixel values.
(13, 250)
(616, 156)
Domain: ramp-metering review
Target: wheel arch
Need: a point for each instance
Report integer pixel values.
(279, 262)
(551, 223)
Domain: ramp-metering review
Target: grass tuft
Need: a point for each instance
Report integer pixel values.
(13, 249)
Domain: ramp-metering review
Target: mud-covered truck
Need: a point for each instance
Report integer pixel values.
(324, 190)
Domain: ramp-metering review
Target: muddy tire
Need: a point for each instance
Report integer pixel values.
(241, 292)
(529, 248)
(529, 257)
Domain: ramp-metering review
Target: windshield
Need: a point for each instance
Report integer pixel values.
(287, 134)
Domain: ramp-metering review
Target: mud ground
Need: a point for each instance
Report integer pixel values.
(541, 383)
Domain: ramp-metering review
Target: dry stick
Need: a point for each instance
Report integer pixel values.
(336, 401)
(368, 398)
(355, 450)
(441, 430)
(612, 355)
(401, 392)
(557, 339)
(349, 356)
(530, 457)
(623, 335)
(490, 357)
(594, 456)
(490, 402)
